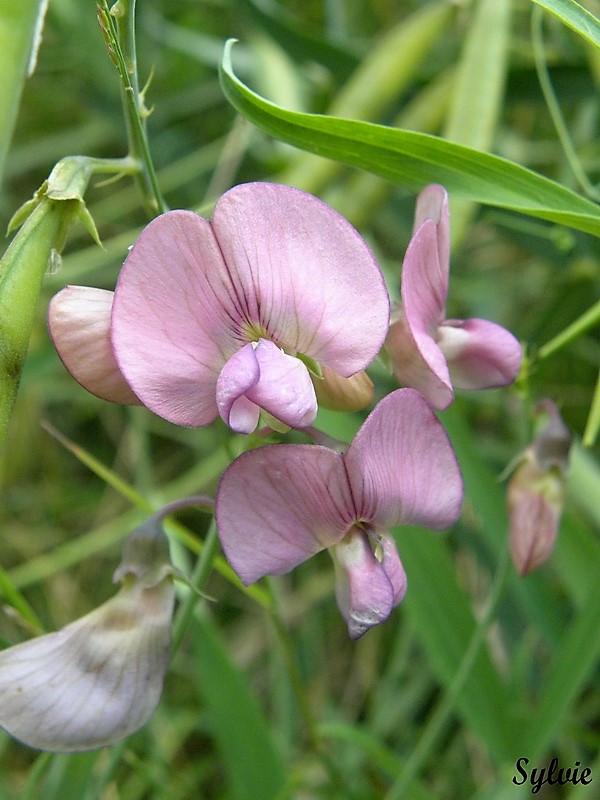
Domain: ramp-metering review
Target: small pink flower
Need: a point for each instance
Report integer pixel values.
(536, 493)
(278, 505)
(228, 316)
(429, 352)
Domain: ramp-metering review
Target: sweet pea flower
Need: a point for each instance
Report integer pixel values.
(431, 353)
(229, 316)
(536, 492)
(100, 678)
(280, 504)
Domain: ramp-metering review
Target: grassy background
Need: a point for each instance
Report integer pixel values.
(267, 697)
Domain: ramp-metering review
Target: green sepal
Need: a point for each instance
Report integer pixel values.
(311, 365)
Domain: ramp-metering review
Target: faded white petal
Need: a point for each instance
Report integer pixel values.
(97, 680)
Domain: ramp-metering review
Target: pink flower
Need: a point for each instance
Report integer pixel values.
(428, 352)
(229, 316)
(278, 505)
(536, 493)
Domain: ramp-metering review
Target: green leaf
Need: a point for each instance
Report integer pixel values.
(575, 17)
(19, 23)
(415, 159)
(441, 615)
(573, 664)
(254, 767)
(476, 101)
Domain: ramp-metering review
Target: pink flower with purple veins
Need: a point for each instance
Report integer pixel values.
(280, 504)
(429, 352)
(229, 316)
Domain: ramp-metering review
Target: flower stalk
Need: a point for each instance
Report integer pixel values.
(117, 24)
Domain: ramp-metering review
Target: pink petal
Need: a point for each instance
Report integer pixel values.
(239, 374)
(243, 415)
(366, 589)
(285, 389)
(79, 324)
(305, 276)
(430, 376)
(424, 285)
(170, 334)
(401, 466)
(480, 354)
(424, 292)
(278, 505)
(432, 203)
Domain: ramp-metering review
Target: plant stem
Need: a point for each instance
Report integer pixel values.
(118, 28)
(443, 712)
(585, 322)
(198, 580)
(318, 745)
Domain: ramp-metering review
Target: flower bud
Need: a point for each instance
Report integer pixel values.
(536, 493)
(45, 220)
(343, 394)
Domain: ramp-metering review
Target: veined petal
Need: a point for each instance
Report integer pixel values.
(302, 274)
(367, 589)
(423, 368)
(424, 284)
(432, 203)
(480, 354)
(284, 388)
(79, 324)
(401, 466)
(171, 332)
(278, 505)
(96, 680)
(238, 376)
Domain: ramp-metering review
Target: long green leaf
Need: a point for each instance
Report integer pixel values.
(443, 621)
(18, 22)
(572, 666)
(574, 16)
(414, 159)
(254, 767)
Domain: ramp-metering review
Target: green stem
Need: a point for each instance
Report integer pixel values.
(14, 597)
(445, 708)
(199, 577)
(582, 325)
(593, 422)
(315, 740)
(553, 105)
(118, 28)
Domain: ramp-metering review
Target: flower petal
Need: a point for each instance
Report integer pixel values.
(240, 373)
(430, 375)
(480, 354)
(284, 388)
(424, 285)
(366, 589)
(170, 333)
(305, 275)
(278, 505)
(432, 203)
(79, 324)
(96, 680)
(418, 361)
(401, 466)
